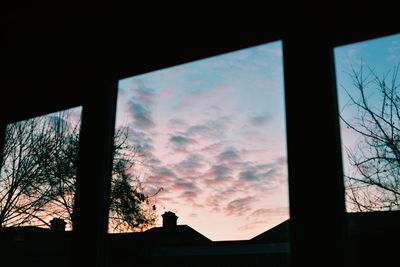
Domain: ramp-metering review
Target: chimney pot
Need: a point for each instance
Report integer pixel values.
(57, 225)
(169, 220)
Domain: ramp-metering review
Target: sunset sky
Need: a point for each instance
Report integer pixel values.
(212, 133)
(213, 137)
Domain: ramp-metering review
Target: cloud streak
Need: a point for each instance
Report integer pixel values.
(161, 174)
(217, 174)
(180, 143)
(191, 166)
(239, 207)
(141, 116)
(140, 105)
(260, 120)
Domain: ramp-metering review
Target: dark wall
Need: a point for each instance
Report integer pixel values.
(58, 56)
(53, 56)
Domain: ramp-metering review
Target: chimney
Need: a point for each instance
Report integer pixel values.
(57, 225)
(169, 220)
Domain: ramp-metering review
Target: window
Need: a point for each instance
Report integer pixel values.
(37, 183)
(205, 142)
(368, 91)
(368, 97)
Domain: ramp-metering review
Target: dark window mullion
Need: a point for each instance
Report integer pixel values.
(316, 188)
(94, 176)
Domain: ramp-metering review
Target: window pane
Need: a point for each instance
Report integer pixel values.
(37, 184)
(204, 141)
(369, 105)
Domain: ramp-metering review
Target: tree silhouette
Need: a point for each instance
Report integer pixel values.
(374, 182)
(130, 208)
(39, 170)
(24, 189)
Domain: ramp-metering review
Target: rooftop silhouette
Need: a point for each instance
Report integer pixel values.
(178, 243)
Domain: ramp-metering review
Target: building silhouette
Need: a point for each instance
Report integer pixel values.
(180, 245)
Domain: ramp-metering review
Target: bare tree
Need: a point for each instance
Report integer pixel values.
(374, 181)
(39, 171)
(23, 185)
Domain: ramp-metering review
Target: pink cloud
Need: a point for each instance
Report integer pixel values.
(229, 156)
(183, 186)
(144, 122)
(217, 181)
(281, 161)
(141, 114)
(252, 225)
(161, 174)
(214, 202)
(213, 148)
(260, 120)
(265, 218)
(188, 195)
(176, 124)
(151, 179)
(143, 96)
(261, 152)
(168, 200)
(208, 93)
(217, 174)
(239, 207)
(166, 93)
(191, 166)
(189, 172)
(183, 105)
(264, 212)
(180, 143)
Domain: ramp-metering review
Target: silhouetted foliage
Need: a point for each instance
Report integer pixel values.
(374, 183)
(126, 210)
(39, 171)
(130, 208)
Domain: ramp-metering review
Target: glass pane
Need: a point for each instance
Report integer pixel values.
(37, 185)
(203, 145)
(369, 105)
(367, 75)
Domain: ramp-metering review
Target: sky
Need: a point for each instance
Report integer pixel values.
(381, 55)
(212, 134)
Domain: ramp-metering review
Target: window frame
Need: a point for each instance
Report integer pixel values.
(309, 219)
